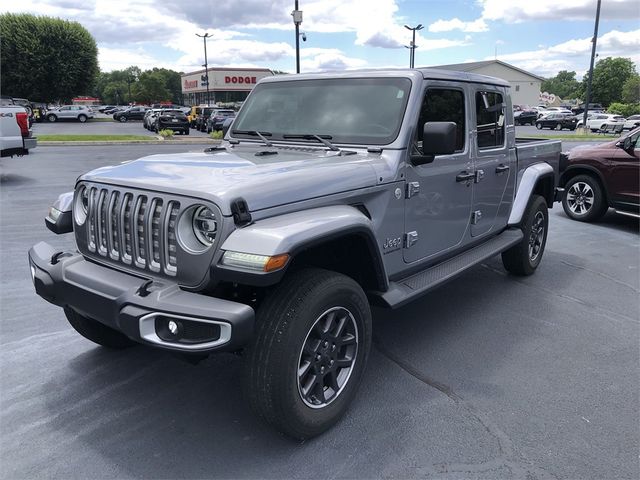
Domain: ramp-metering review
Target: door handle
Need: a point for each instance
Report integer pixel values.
(465, 176)
(502, 168)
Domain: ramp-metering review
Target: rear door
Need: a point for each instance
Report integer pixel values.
(493, 164)
(437, 205)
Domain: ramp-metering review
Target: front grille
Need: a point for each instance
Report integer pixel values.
(133, 228)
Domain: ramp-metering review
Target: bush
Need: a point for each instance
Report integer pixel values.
(166, 134)
(216, 135)
(624, 109)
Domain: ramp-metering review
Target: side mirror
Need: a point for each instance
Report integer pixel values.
(59, 217)
(438, 138)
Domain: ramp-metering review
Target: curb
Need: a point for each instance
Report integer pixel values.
(128, 142)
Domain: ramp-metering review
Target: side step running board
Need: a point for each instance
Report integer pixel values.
(627, 214)
(406, 289)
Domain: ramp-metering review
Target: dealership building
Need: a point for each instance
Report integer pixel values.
(225, 85)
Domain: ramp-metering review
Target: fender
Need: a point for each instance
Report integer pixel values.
(292, 232)
(582, 166)
(59, 217)
(526, 186)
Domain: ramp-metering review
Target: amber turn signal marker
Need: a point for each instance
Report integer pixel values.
(276, 262)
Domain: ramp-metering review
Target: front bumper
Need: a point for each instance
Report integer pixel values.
(136, 306)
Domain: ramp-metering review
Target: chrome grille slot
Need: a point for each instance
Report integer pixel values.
(153, 234)
(139, 241)
(91, 220)
(125, 227)
(113, 232)
(101, 218)
(171, 242)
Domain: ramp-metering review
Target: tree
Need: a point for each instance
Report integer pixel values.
(609, 76)
(150, 88)
(172, 82)
(46, 59)
(564, 85)
(631, 90)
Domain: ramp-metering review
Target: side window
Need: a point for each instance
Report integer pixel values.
(443, 105)
(489, 119)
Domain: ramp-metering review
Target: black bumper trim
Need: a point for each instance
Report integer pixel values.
(112, 298)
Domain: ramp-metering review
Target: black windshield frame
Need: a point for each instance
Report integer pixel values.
(351, 110)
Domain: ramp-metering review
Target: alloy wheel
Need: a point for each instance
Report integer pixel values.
(327, 358)
(536, 237)
(580, 198)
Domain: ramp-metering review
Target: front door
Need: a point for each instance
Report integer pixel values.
(494, 166)
(438, 202)
(625, 174)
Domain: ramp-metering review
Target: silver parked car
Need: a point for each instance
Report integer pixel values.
(81, 113)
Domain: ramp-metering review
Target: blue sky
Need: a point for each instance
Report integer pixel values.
(541, 36)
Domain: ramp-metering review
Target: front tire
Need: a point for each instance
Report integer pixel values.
(539, 126)
(523, 258)
(309, 353)
(584, 199)
(82, 118)
(123, 119)
(96, 331)
(558, 126)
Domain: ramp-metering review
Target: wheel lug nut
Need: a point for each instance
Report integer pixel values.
(331, 362)
(321, 369)
(333, 347)
(318, 357)
(326, 344)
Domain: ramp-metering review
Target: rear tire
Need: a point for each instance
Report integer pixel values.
(539, 126)
(186, 131)
(312, 342)
(52, 118)
(584, 199)
(96, 331)
(523, 258)
(559, 127)
(122, 118)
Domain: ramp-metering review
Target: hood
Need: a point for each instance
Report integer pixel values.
(264, 181)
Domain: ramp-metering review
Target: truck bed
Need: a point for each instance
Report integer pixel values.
(536, 150)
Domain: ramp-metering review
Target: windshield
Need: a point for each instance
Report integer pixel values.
(347, 110)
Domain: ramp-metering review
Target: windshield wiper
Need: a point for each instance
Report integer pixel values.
(320, 138)
(255, 133)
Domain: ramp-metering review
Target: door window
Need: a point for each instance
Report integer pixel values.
(443, 105)
(490, 120)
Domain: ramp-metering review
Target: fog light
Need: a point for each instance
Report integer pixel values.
(173, 327)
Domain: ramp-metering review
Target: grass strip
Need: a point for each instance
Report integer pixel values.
(92, 138)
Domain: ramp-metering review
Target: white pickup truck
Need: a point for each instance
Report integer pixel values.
(15, 136)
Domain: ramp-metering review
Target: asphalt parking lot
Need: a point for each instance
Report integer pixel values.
(490, 376)
(99, 127)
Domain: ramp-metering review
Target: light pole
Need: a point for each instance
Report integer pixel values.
(205, 77)
(593, 57)
(412, 47)
(297, 20)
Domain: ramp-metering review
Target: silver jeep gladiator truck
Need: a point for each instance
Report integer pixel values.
(329, 193)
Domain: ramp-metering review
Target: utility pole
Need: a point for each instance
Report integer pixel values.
(297, 20)
(205, 77)
(594, 40)
(412, 47)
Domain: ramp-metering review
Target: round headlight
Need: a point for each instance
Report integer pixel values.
(81, 205)
(205, 225)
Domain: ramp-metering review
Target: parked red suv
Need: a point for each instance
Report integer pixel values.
(602, 176)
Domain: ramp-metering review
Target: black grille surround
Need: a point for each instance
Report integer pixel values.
(136, 230)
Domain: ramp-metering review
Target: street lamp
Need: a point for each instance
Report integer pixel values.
(297, 21)
(412, 47)
(594, 40)
(205, 77)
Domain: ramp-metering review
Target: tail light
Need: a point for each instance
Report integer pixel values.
(23, 122)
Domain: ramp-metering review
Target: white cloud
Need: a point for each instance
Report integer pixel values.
(517, 11)
(574, 54)
(478, 25)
